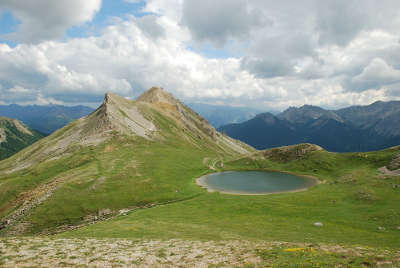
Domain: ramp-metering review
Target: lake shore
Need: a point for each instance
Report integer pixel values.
(202, 183)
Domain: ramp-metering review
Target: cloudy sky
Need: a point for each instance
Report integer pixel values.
(260, 53)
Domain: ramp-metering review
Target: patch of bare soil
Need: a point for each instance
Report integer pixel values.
(386, 172)
(50, 252)
(3, 137)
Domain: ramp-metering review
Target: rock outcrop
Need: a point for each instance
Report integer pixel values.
(293, 152)
(166, 102)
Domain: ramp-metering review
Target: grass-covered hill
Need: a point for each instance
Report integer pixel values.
(357, 204)
(14, 136)
(125, 154)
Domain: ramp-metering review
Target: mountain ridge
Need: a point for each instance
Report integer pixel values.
(45, 118)
(219, 115)
(14, 136)
(355, 128)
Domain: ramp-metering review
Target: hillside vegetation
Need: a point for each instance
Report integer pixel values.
(125, 155)
(356, 204)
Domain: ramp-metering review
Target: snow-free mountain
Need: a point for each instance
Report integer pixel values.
(220, 115)
(356, 128)
(125, 154)
(14, 136)
(45, 118)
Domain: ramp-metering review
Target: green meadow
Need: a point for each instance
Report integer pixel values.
(356, 205)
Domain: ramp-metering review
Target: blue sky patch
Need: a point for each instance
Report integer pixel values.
(8, 24)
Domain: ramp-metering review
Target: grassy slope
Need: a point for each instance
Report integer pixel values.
(124, 172)
(352, 204)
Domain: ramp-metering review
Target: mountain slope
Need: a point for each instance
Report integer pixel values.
(14, 136)
(261, 129)
(125, 154)
(45, 119)
(356, 128)
(307, 114)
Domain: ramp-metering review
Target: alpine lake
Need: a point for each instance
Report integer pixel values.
(255, 182)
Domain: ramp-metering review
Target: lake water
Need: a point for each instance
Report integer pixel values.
(254, 182)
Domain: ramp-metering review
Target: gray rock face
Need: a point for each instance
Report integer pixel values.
(307, 113)
(3, 137)
(382, 117)
(395, 164)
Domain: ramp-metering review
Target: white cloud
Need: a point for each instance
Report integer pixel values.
(287, 60)
(376, 74)
(48, 19)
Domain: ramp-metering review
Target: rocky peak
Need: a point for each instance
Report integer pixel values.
(109, 98)
(113, 99)
(307, 113)
(122, 115)
(157, 95)
(18, 124)
(268, 118)
(169, 105)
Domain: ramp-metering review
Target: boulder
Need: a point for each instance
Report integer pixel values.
(104, 212)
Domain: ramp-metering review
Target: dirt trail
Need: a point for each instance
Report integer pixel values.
(28, 201)
(213, 163)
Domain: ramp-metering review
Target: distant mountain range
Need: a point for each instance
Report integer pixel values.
(356, 128)
(45, 119)
(219, 115)
(49, 118)
(15, 136)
